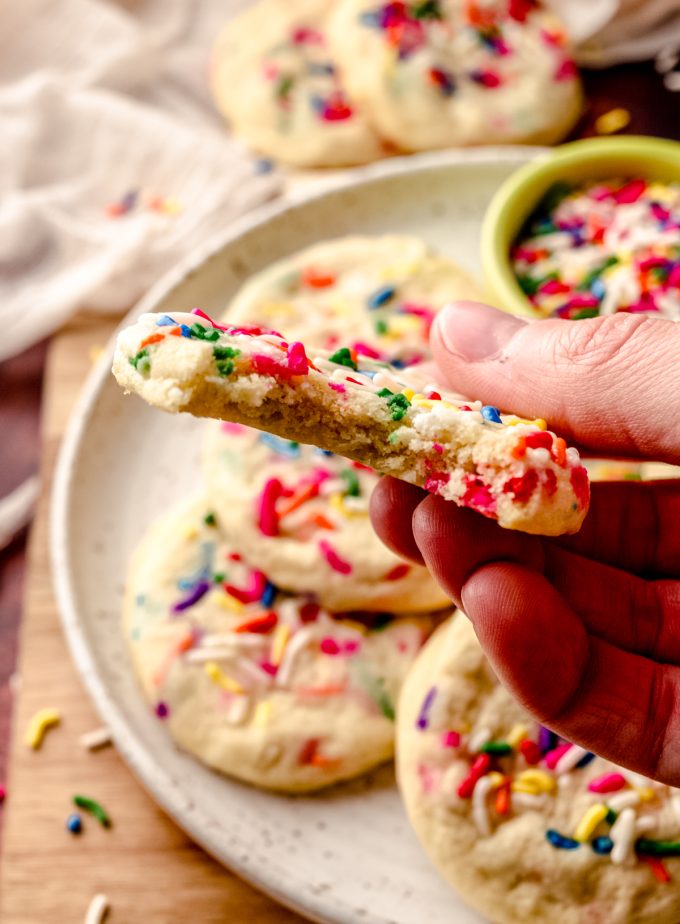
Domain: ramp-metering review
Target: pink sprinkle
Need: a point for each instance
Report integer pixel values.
(337, 386)
(478, 496)
(436, 481)
(268, 668)
(631, 192)
(420, 311)
(488, 79)
(329, 646)
(333, 559)
(297, 359)
(232, 428)
(253, 590)
(350, 648)
(450, 739)
(566, 70)
(267, 365)
(363, 349)
(438, 448)
(608, 782)
(270, 71)
(646, 302)
(304, 35)
(267, 517)
(3, 794)
(673, 281)
(206, 317)
(553, 287)
(427, 778)
(552, 757)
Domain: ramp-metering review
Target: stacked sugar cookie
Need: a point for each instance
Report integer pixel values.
(333, 83)
(270, 628)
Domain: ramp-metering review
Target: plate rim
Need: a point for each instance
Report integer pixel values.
(137, 757)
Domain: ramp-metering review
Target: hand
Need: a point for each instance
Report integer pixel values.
(584, 630)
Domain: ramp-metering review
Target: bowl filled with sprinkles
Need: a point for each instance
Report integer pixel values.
(591, 229)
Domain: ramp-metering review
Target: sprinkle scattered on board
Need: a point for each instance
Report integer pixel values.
(615, 120)
(95, 740)
(97, 910)
(94, 808)
(38, 726)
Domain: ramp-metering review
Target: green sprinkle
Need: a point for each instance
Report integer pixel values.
(381, 621)
(224, 359)
(284, 85)
(632, 476)
(657, 848)
(497, 748)
(84, 802)
(375, 687)
(381, 327)
(611, 816)
(210, 519)
(427, 9)
(343, 357)
(141, 362)
(398, 405)
(385, 393)
(204, 333)
(527, 284)
(219, 578)
(393, 437)
(585, 313)
(555, 194)
(595, 273)
(351, 479)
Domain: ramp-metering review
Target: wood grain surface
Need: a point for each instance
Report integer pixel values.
(147, 867)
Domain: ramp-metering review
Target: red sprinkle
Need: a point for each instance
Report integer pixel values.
(314, 279)
(398, 572)
(308, 751)
(333, 559)
(451, 739)
(480, 767)
(530, 751)
(549, 482)
(251, 593)
(478, 496)
(658, 867)
(559, 452)
(580, 484)
(260, 625)
(522, 487)
(503, 798)
(154, 338)
(309, 612)
(541, 439)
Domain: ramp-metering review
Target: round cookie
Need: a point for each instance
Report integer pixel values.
(302, 515)
(274, 79)
(525, 826)
(440, 73)
(379, 293)
(258, 684)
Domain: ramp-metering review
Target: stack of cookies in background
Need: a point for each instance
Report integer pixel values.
(269, 626)
(332, 83)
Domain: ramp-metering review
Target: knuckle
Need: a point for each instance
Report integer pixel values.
(600, 342)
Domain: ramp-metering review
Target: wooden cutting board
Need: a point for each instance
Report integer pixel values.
(150, 871)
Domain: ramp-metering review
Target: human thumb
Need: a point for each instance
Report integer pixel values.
(610, 384)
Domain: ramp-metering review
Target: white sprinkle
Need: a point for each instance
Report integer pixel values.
(238, 709)
(299, 641)
(675, 807)
(526, 800)
(480, 812)
(233, 639)
(569, 759)
(636, 779)
(623, 800)
(95, 739)
(621, 833)
(573, 458)
(383, 380)
(358, 504)
(201, 655)
(644, 824)
(479, 739)
(97, 909)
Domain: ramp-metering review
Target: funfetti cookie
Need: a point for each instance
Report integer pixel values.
(378, 294)
(276, 81)
(440, 73)
(528, 828)
(302, 515)
(508, 469)
(261, 685)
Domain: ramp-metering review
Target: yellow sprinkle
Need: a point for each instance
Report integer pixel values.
(660, 192)
(189, 532)
(590, 820)
(408, 393)
(277, 310)
(279, 642)
(218, 676)
(263, 713)
(529, 788)
(613, 121)
(646, 794)
(171, 206)
(341, 306)
(448, 405)
(516, 734)
(540, 423)
(96, 351)
(227, 602)
(337, 502)
(419, 401)
(495, 778)
(404, 325)
(38, 725)
(539, 778)
(357, 626)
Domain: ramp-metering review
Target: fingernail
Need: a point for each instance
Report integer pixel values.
(475, 332)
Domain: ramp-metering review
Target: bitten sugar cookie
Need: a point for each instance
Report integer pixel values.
(258, 684)
(275, 80)
(302, 515)
(376, 294)
(504, 467)
(527, 827)
(440, 73)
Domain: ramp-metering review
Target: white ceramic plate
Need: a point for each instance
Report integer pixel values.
(348, 855)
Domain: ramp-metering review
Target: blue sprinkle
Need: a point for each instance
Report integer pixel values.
(324, 452)
(559, 840)
(491, 413)
(318, 103)
(598, 289)
(280, 446)
(165, 321)
(186, 331)
(268, 594)
(585, 760)
(320, 68)
(74, 823)
(400, 363)
(602, 845)
(381, 296)
(263, 165)
(371, 19)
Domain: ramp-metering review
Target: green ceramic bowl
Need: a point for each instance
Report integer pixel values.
(578, 162)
